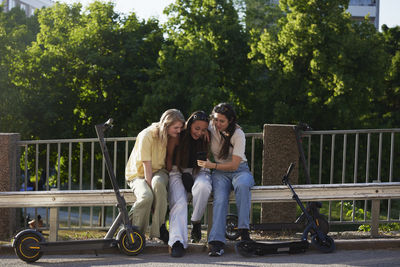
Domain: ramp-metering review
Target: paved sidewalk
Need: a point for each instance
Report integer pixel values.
(153, 248)
(339, 258)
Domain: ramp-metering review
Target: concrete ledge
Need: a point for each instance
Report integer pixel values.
(154, 248)
(361, 244)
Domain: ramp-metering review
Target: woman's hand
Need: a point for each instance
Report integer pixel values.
(227, 166)
(148, 172)
(207, 136)
(206, 164)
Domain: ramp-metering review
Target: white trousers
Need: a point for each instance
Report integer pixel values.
(178, 202)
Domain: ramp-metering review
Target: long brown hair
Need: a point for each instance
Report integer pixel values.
(188, 145)
(228, 111)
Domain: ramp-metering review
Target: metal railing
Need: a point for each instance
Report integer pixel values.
(333, 157)
(355, 156)
(77, 164)
(260, 194)
(73, 164)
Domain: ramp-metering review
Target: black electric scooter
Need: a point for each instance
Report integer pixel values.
(232, 231)
(29, 244)
(318, 238)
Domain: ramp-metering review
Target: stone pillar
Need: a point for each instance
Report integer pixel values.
(280, 149)
(9, 171)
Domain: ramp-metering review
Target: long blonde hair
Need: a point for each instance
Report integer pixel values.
(168, 118)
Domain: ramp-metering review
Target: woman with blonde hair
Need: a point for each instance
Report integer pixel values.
(146, 175)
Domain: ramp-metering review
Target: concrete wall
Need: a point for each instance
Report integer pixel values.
(9, 168)
(279, 150)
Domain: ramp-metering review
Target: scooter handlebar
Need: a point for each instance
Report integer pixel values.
(102, 127)
(109, 123)
(285, 178)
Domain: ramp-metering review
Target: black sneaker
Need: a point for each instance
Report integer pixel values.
(196, 232)
(164, 234)
(177, 250)
(216, 248)
(244, 235)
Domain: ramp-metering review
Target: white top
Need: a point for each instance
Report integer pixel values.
(238, 142)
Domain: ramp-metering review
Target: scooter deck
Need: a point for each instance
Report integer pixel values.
(77, 245)
(248, 248)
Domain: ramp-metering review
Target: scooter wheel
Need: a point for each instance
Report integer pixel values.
(327, 245)
(231, 231)
(27, 247)
(245, 248)
(139, 242)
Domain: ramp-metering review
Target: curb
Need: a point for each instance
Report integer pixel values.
(363, 244)
(154, 248)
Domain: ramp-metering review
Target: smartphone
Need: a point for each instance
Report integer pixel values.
(202, 155)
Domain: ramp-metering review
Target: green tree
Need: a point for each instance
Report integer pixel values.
(204, 60)
(84, 67)
(391, 100)
(261, 14)
(324, 68)
(16, 32)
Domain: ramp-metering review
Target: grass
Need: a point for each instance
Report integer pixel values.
(79, 234)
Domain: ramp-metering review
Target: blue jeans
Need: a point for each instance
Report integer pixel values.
(241, 181)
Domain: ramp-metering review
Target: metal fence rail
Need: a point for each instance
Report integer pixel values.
(77, 164)
(355, 156)
(72, 164)
(56, 199)
(333, 157)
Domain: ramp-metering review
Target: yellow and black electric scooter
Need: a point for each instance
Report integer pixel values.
(29, 244)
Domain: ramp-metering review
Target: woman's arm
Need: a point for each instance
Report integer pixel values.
(228, 166)
(172, 143)
(148, 172)
(238, 142)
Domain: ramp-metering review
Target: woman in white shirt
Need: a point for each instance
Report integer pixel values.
(230, 170)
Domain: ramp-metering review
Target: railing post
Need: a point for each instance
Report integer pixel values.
(9, 170)
(279, 150)
(53, 230)
(375, 211)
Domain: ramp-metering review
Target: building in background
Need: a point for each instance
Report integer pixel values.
(360, 8)
(28, 5)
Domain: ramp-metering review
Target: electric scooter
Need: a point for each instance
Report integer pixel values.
(29, 244)
(232, 231)
(319, 239)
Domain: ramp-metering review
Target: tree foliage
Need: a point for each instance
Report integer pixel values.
(391, 100)
(16, 33)
(324, 68)
(84, 66)
(66, 68)
(204, 59)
